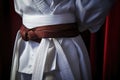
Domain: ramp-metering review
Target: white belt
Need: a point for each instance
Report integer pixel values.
(41, 58)
(31, 21)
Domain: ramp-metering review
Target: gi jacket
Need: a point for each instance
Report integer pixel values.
(68, 57)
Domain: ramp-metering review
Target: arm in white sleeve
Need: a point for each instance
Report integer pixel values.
(17, 6)
(91, 14)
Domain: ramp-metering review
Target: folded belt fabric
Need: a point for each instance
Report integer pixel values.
(50, 31)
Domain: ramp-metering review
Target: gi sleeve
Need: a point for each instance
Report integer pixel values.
(17, 6)
(91, 14)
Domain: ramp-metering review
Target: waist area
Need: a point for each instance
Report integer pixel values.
(50, 31)
(31, 21)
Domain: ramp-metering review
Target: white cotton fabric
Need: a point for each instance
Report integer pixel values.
(68, 56)
(43, 20)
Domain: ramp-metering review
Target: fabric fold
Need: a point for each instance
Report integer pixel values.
(14, 67)
(64, 66)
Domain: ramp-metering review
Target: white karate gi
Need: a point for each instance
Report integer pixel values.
(66, 58)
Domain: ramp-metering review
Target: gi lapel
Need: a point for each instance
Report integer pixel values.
(43, 6)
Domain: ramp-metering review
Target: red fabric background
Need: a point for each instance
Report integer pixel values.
(112, 44)
(105, 47)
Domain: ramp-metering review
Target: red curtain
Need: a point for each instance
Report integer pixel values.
(103, 46)
(111, 56)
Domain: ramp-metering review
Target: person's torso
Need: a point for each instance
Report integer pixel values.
(33, 7)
